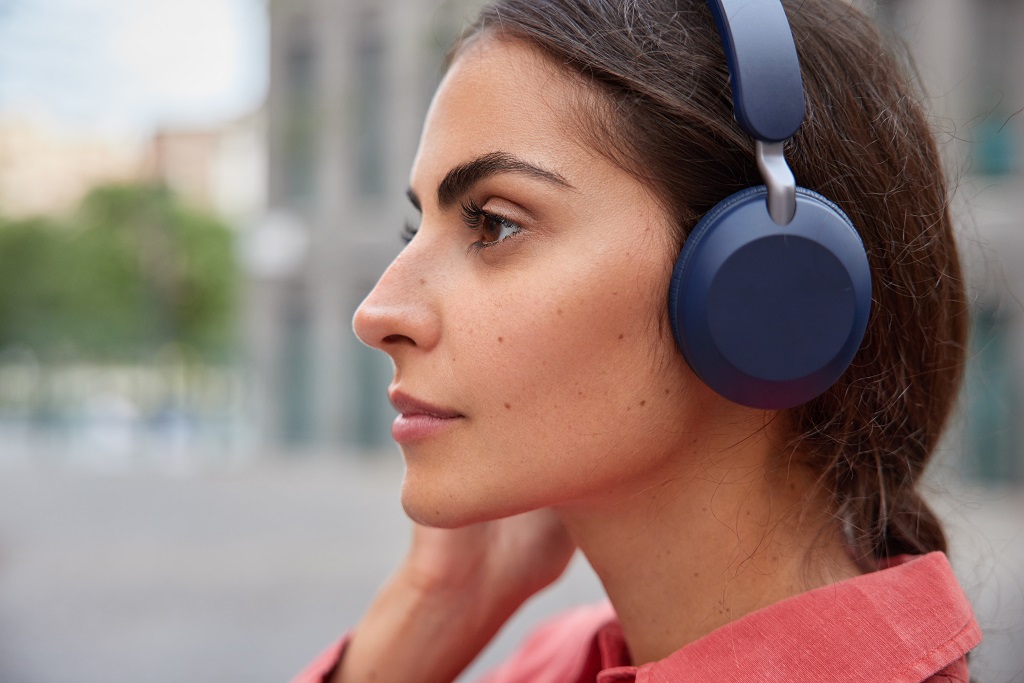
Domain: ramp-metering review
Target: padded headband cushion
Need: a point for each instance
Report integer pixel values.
(767, 91)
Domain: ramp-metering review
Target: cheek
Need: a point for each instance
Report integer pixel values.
(576, 394)
(567, 356)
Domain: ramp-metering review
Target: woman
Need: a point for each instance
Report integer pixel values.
(545, 405)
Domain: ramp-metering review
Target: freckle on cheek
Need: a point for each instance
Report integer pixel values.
(559, 311)
(643, 403)
(501, 339)
(508, 406)
(423, 282)
(622, 336)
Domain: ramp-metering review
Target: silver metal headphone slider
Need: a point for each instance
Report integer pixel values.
(779, 180)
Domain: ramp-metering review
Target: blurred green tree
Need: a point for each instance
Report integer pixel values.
(131, 271)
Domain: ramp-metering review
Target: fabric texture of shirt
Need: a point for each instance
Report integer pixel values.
(908, 623)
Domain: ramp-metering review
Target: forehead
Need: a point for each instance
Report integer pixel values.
(501, 95)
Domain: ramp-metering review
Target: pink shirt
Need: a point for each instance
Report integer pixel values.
(905, 624)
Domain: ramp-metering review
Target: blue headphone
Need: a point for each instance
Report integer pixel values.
(770, 297)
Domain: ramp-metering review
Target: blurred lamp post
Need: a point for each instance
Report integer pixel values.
(276, 247)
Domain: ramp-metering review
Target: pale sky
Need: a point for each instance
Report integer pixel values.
(125, 66)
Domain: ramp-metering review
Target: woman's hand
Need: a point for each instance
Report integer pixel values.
(452, 593)
(506, 560)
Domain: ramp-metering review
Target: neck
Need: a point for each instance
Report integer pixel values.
(718, 534)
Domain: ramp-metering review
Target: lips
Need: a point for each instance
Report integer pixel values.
(409, 406)
(419, 420)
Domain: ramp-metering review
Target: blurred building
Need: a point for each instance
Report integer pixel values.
(46, 168)
(349, 86)
(219, 168)
(971, 62)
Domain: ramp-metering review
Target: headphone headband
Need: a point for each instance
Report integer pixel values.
(769, 300)
(767, 91)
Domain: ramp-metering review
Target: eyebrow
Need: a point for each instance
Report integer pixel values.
(461, 179)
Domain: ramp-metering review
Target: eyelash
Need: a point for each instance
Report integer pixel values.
(475, 218)
(478, 219)
(408, 232)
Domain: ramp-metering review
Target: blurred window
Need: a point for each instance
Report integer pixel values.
(297, 374)
(371, 105)
(997, 101)
(300, 119)
(886, 14)
(992, 396)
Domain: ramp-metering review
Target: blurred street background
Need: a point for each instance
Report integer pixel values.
(196, 476)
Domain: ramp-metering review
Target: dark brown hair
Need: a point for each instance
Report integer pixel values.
(663, 111)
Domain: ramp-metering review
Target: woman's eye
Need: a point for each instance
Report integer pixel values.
(493, 228)
(497, 229)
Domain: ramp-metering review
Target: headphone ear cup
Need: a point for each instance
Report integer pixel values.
(770, 316)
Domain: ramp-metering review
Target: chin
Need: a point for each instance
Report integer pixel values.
(441, 514)
(450, 505)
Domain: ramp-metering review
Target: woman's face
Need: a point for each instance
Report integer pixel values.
(526, 319)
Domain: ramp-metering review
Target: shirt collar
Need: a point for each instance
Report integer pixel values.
(898, 624)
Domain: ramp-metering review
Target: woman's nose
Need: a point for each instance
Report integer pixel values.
(400, 312)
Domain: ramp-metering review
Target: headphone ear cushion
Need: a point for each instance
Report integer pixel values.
(770, 316)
